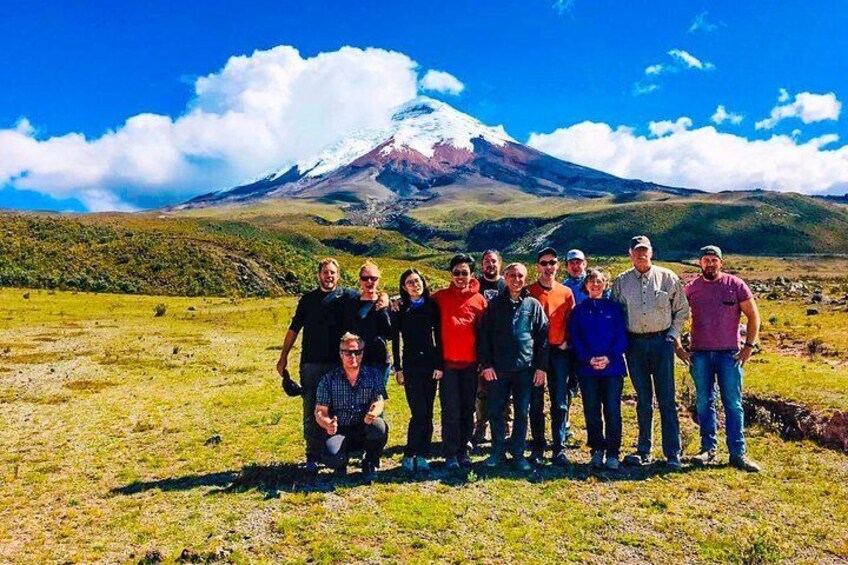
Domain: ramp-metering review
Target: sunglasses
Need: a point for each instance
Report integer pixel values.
(461, 273)
(352, 352)
(550, 263)
(366, 278)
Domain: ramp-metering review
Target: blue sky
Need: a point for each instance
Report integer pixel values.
(573, 73)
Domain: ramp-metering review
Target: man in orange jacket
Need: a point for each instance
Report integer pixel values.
(461, 307)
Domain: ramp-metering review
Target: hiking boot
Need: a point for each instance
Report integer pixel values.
(597, 460)
(612, 463)
(744, 463)
(422, 464)
(560, 460)
(493, 460)
(451, 464)
(674, 464)
(369, 473)
(408, 464)
(704, 458)
(464, 461)
(537, 459)
(522, 464)
(638, 459)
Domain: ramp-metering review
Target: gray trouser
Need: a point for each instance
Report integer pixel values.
(313, 434)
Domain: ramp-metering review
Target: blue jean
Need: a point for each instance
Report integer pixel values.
(520, 385)
(709, 368)
(558, 385)
(602, 409)
(651, 365)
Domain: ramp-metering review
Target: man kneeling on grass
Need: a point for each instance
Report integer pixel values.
(349, 406)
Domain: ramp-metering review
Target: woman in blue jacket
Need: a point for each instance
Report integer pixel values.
(599, 337)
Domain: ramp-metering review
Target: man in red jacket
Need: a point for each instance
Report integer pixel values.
(461, 307)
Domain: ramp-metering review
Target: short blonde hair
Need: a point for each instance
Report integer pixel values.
(348, 337)
(327, 261)
(369, 264)
(514, 266)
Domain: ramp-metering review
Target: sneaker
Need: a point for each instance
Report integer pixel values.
(560, 460)
(612, 463)
(451, 464)
(464, 461)
(744, 463)
(522, 464)
(311, 467)
(408, 464)
(493, 460)
(704, 458)
(674, 464)
(422, 464)
(369, 473)
(597, 460)
(638, 459)
(537, 459)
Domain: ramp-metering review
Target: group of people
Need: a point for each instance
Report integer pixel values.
(490, 346)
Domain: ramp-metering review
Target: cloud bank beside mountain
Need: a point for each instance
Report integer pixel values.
(256, 113)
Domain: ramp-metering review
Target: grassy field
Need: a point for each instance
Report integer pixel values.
(125, 435)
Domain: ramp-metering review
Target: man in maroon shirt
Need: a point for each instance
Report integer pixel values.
(717, 301)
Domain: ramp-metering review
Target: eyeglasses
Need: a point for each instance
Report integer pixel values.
(412, 282)
(366, 278)
(352, 352)
(461, 273)
(550, 263)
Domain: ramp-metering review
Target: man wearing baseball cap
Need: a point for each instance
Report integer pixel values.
(656, 308)
(718, 301)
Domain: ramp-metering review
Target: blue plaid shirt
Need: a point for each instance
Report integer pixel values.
(350, 403)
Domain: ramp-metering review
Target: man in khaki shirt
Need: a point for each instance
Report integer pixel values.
(656, 308)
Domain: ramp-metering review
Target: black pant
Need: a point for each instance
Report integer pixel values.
(420, 390)
(371, 438)
(457, 392)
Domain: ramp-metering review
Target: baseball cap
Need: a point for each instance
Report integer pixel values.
(575, 254)
(711, 250)
(640, 241)
(290, 387)
(546, 251)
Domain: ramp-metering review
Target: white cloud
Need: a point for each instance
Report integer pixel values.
(721, 115)
(702, 158)
(258, 113)
(690, 60)
(701, 23)
(807, 106)
(563, 6)
(440, 81)
(642, 87)
(654, 69)
(665, 127)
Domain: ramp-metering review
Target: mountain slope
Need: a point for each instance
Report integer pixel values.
(427, 145)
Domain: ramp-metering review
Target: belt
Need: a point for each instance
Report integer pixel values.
(648, 335)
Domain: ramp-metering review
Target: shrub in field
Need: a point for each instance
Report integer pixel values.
(160, 310)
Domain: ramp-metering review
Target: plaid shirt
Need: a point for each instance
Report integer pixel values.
(350, 403)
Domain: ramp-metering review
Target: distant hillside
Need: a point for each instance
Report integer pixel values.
(123, 253)
(755, 223)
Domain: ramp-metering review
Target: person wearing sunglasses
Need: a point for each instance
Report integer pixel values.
(598, 333)
(349, 407)
(514, 357)
(418, 365)
(461, 306)
(557, 301)
(364, 317)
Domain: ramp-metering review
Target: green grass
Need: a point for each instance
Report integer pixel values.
(121, 465)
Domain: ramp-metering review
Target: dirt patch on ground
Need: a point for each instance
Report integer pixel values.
(794, 421)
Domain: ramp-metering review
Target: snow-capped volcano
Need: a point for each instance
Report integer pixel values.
(427, 145)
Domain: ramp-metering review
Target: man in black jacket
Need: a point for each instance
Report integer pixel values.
(513, 352)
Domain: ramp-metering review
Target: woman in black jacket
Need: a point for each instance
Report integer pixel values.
(418, 369)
